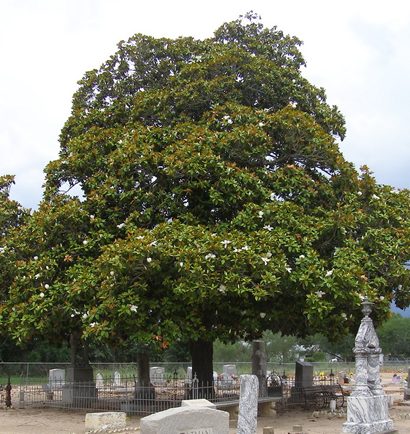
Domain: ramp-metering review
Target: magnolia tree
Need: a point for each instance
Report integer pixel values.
(216, 204)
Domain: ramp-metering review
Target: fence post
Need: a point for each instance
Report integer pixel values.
(195, 385)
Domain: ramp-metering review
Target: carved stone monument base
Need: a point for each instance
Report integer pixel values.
(368, 415)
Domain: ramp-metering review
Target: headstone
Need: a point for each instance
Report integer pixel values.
(259, 365)
(56, 378)
(367, 406)
(105, 421)
(189, 373)
(303, 374)
(197, 403)
(117, 379)
(186, 420)
(230, 370)
(229, 376)
(99, 381)
(157, 375)
(248, 404)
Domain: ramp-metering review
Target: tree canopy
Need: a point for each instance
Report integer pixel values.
(216, 202)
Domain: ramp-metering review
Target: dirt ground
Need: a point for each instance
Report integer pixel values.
(52, 421)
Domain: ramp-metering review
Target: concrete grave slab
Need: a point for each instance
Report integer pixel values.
(186, 420)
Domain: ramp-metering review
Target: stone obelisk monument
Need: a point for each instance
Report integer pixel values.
(367, 407)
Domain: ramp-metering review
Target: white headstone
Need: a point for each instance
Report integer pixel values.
(368, 405)
(99, 381)
(230, 370)
(189, 373)
(117, 379)
(157, 375)
(186, 420)
(197, 403)
(56, 378)
(248, 404)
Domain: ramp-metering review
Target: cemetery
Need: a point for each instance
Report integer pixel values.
(178, 406)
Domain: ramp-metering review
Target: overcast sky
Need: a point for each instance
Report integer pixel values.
(357, 50)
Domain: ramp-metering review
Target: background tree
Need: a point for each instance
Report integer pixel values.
(394, 337)
(216, 203)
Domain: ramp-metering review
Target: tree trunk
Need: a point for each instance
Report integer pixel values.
(79, 386)
(144, 390)
(143, 369)
(78, 351)
(202, 368)
(259, 365)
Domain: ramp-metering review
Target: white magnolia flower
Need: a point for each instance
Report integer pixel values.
(85, 242)
(121, 225)
(359, 193)
(37, 276)
(2, 249)
(245, 247)
(228, 119)
(92, 216)
(93, 324)
(262, 315)
(222, 289)
(85, 315)
(154, 243)
(268, 227)
(265, 260)
(374, 196)
(47, 286)
(225, 243)
(381, 297)
(42, 294)
(343, 315)
(261, 124)
(72, 315)
(288, 269)
(272, 196)
(133, 308)
(260, 214)
(320, 294)
(35, 258)
(210, 256)
(112, 273)
(181, 264)
(149, 260)
(140, 237)
(329, 273)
